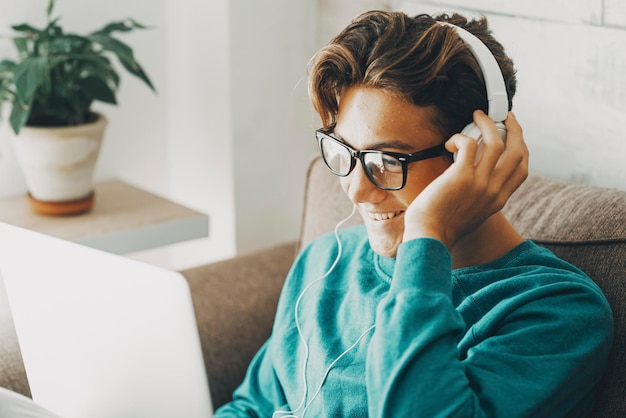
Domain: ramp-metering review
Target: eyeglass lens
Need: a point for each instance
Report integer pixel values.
(382, 169)
(336, 156)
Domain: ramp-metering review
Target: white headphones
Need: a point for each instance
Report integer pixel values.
(497, 99)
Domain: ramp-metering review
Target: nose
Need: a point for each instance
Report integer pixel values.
(360, 189)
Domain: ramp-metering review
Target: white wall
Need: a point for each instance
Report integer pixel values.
(273, 141)
(199, 132)
(334, 15)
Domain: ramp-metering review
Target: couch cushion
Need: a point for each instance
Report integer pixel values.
(556, 212)
(587, 227)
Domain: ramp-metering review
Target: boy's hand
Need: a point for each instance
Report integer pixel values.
(466, 194)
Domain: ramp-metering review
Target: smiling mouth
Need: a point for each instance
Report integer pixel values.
(383, 216)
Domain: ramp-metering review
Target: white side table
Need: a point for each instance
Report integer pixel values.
(124, 219)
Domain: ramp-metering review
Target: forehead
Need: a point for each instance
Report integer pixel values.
(372, 118)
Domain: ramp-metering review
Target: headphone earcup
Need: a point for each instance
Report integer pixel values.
(473, 132)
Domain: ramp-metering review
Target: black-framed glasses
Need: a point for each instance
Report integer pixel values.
(385, 169)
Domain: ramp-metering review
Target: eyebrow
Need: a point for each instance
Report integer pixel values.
(378, 146)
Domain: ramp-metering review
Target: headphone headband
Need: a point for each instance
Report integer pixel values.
(497, 98)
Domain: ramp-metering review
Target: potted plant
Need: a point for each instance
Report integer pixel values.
(51, 87)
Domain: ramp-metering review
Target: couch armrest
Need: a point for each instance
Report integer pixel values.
(235, 302)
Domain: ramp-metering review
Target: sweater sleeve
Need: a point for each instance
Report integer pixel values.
(523, 368)
(259, 393)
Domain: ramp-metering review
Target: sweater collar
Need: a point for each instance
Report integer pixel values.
(384, 267)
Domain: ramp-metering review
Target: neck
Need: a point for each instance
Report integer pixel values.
(492, 240)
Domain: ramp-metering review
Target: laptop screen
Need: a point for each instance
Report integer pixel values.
(102, 335)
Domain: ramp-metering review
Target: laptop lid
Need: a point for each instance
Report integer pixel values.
(102, 335)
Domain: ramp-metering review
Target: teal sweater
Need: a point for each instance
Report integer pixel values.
(525, 335)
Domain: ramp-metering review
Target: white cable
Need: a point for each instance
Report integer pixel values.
(296, 317)
(291, 413)
(319, 389)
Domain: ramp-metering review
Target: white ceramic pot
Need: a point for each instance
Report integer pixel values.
(58, 162)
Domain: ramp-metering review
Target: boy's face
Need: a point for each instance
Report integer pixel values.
(373, 119)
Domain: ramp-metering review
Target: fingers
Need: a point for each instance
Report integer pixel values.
(464, 147)
(513, 166)
(470, 151)
(502, 166)
(492, 147)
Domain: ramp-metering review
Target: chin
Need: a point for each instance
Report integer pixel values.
(385, 236)
(384, 247)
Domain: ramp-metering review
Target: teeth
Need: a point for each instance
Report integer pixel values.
(383, 216)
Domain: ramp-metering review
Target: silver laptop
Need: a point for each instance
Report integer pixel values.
(102, 336)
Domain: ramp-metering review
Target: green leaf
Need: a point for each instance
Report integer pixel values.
(105, 73)
(19, 115)
(121, 26)
(24, 27)
(125, 54)
(136, 24)
(98, 89)
(113, 27)
(30, 74)
(113, 45)
(88, 66)
(22, 45)
(67, 44)
(49, 9)
(90, 58)
(53, 30)
(6, 95)
(7, 66)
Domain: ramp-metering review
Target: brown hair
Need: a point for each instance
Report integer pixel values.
(425, 63)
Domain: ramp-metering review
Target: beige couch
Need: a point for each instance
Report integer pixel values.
(235, 299)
